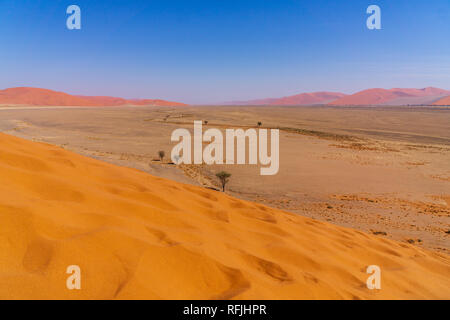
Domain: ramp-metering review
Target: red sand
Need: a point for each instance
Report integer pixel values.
(45, 97)
(443, 102)
(295, 100)
(378, 96)
(308, 98)
(375, 96)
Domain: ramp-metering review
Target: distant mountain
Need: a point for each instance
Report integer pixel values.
(309, 98)
(299, 99)
(396, 96)
(45, 97)
(376, 96)
(443, 102)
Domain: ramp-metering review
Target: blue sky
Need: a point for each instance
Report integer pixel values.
(211, 51)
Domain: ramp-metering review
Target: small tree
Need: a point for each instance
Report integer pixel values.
(205, 122)
(223, 177)
(259, 123)
(161, 155)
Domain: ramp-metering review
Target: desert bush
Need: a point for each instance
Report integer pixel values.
(224, 178)
(161, 155)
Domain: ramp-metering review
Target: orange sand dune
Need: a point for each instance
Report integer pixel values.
(138, 236)
(443, 102)
(382, 96)
(45, 97)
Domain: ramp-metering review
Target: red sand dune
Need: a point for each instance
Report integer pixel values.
(376, 96)
(45, 97)
(309, 98)
(298, 99)
(443, 102)
(382, 96)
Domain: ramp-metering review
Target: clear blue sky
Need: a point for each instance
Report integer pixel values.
(212, 51)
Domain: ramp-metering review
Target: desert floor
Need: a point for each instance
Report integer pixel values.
(382, 170)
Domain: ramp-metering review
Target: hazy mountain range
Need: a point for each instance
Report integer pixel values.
(396, 96)
(377, 96)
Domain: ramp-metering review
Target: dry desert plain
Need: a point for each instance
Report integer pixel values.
(381, 170)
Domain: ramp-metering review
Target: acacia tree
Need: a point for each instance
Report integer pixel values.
(161, 155)
(224, 178)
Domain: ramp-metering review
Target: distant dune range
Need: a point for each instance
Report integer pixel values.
(443, 102)
(136, 236)
(397, 96)
(299, 99)
(393, 96)
(45, 97)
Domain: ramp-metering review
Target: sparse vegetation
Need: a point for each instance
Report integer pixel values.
(320, 134)
(224, 178)
(379, 233)
(161, 155)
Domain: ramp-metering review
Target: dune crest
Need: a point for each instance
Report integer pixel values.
(398, 96)
(374, 96)
(138, 236)
(45, 97)
(443, 102)
(309, 98)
